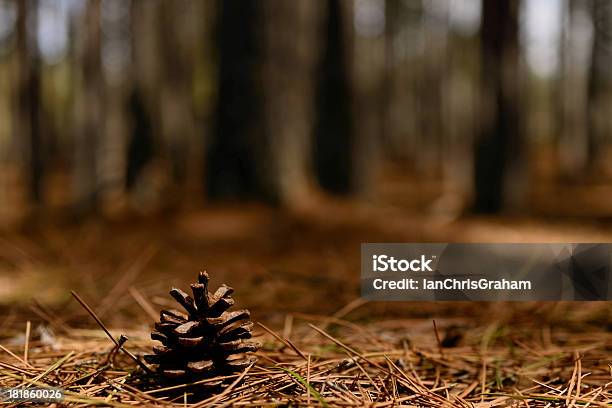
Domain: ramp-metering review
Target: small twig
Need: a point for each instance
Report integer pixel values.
(111, 356)
(26, 342)
(362, 356)
(288, 326)
(212, 400)
(97, 319)
(143, 302)
(438, 339)
(51, 318)
(286, 342)
(345, 310)
(14, 368)
(483, 378)
(86, 376)
(15, 356)
(179, 386)
(130, 274)
(308, 378)
(51, 368)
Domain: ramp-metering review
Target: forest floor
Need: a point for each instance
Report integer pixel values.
(542, 356)
(298, 273)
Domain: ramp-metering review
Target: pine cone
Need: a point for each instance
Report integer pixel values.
(206, 342)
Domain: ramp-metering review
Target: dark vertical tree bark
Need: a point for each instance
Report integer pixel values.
(290, 39)
(395, 20)
(432, 89)
(90, 105)
(29, 95)
(175, 108)
(141, 143)
(572, 94)
(599, 80)
(392, 8)
(499, 138)
(235, 157)
(559, 101)
(334, 162)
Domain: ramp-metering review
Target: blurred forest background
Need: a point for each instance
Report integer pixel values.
(267, 139)
(110, 105)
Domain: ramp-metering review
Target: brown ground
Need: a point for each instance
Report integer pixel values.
(291, 269)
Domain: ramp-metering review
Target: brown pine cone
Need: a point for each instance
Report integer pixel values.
(208, 341)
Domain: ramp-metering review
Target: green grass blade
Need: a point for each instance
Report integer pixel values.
(305, 383)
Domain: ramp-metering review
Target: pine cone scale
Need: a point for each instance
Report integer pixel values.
(242, 331)
(229, 317)
(220, 306)
(186, 328)
(200, 366)
(242, 363)
(174, 314)
(174, 373)
(190, 341)
(185, 300)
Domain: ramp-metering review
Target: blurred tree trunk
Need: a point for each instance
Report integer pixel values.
(143, 144)
(392, 14)
(365, 52)
(499, 141)
(29, 117)
(433, 87)
(571, 97)
(334, 144)
(115, 24)
(559, 93)
(89, 111)
(599, 99)
(140, 144)
(403, 25)
(175, 97)
(260, 145)
(290, 40)
(237, 165)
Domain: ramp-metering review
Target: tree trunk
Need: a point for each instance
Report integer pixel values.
(432, 90)
(290, 40)
(572, 94)
(29, 96)
(499, 138)
(175, 97)
(140, 145)
(89, 112)
(334, 140)
(259, 149)
(599, 82)
(236, 156)
(143, 145)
